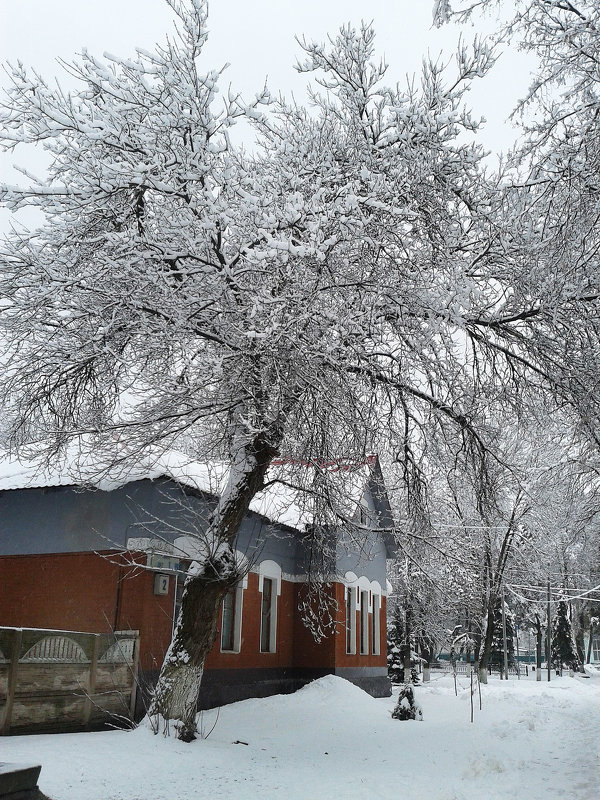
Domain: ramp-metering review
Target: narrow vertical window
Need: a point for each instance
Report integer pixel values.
(266, 633)
(364, 623)
(350, 621)
(228, 620)
(375, 628)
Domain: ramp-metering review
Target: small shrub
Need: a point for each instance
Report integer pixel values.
(407, 707)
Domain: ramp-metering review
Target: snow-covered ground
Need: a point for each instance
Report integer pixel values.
(539, 741)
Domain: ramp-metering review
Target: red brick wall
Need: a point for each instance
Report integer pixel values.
(343, 659)
(140, 609)
(307, 651)
(75, 591)
(295, 644)
(80, 592)
(250, 656)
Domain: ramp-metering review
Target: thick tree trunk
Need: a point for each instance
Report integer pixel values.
(176, 694)
(178, 688)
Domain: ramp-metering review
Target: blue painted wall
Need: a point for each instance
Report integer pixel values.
(68, 519)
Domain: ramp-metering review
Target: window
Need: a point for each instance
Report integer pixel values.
(364, 623)
(269, 585)
(266, 614)
(228, 620)
(231, 619)
(350, 620)
(375, 626)
(596, 647)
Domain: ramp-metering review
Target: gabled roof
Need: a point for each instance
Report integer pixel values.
(328, 492)
(297, 492)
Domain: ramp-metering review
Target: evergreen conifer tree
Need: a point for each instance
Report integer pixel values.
(407, 707)
(497, 652)
(395, 639)
(563, 649)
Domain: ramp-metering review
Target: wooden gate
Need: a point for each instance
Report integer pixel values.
(65, 680)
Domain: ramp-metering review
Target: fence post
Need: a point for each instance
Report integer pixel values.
(12, 680)
(134, 674)
(471, 694)
(89, 703)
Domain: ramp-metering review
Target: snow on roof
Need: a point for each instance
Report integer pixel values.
(304, 491)
(295, 492)
(82, 471)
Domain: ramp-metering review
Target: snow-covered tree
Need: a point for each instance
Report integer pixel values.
(552, 190)
(395, 646)
(183, 290)
(342, 283)
(407, 707)
(497, 648)
(563, 649)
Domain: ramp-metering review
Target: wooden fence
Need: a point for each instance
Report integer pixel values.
(65, 680)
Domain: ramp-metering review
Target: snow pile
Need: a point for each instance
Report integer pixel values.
(330, 740)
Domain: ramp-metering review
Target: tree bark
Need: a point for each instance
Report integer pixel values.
(538, 647)
(486, 651)
(406, 648)
(177, 691)
(178, 687)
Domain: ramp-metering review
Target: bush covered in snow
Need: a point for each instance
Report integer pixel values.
(407, 707)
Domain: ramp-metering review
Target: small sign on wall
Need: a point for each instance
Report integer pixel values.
(161, 584)
(161, 561)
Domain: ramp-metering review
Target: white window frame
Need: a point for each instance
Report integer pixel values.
(364, 621)
(271, 570)
(376, 625)
(237, 618)
(350, 596)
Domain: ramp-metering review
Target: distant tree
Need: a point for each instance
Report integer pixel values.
(563, 649)
(497, 649)
(395, 646)
(461, 645)
(593, 630)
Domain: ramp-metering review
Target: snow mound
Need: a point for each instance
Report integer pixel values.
(333, 689)
(330, 695)
(592, 670)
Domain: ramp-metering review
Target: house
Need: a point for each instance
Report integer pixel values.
(112, 557)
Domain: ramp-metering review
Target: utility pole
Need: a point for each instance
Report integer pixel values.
(504, 637)
(548, 637)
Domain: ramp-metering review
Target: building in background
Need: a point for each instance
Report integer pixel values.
(113, 557)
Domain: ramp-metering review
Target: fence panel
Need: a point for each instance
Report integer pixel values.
(65, 680)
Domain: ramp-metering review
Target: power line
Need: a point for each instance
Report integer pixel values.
(585, 596)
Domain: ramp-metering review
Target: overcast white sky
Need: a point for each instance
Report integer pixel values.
(256, 37)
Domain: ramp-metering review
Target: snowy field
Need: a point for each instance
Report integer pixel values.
(532, 740)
